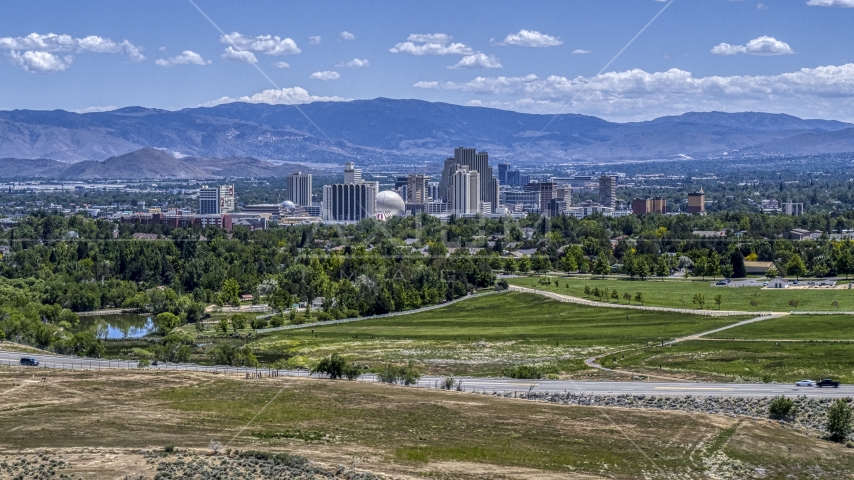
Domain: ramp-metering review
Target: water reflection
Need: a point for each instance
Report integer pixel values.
(117, 326)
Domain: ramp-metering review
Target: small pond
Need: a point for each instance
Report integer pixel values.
(117, 326)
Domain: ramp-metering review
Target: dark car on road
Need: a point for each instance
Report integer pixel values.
(826, 382)
(30, 362)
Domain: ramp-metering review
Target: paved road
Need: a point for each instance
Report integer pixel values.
(468, 384)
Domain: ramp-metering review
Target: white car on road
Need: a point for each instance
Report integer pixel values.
(805, 383)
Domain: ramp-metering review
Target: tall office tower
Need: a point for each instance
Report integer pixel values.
(351, 173)
(503, 168)
(477, 162)
(226, 198)
(495, 191)
(216, 200)
(401, 182)
(548, 192)
(299, 189)
(564, 194)
(349, 202)
(608, 191)
(433, 192)
(465, 191)
(697, 202)
(448, 170)
(209, 200)
(659, 205)
(417, 189)
(513, 179)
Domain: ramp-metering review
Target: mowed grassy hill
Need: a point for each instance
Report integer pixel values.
(680, 293)
(486, 335)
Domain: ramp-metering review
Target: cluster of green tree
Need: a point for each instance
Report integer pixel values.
(23, 319)
(395, 374)
(336, 366)
(604, 295)
(375, 273)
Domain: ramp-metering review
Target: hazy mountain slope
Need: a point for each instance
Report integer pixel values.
(143, 164)
(245, 167)
(397, 131)
(16, 168)
(841, 141)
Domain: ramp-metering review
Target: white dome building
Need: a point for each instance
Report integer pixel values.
(288, 205)
(389, 204)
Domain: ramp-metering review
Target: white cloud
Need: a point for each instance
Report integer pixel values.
(478, 60)
(284, 96)
(187, 57)
(763, 45)
(831, 3)
(431, 44)
(281, 64)
(355, 63)
(314, 40)
(41, 62)
(39, 49)
(579, 51)
(325, 76)
(264, 44)
(345, 35)
(442, 38)
(531, 38)
(243, 56)
(823, 92)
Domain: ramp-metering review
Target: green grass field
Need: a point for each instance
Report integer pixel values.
(795, 327)
(679, 293)
(745, 360)
(483, 336)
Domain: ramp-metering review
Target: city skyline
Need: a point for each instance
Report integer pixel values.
(99, 55)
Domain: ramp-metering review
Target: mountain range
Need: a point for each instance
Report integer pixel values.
(147, 164)
(383, 131)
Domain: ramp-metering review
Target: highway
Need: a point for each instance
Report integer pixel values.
(488, 385)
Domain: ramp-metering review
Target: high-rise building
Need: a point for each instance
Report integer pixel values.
(351, 173)
(433, 192)
(643, 206)
(209, 200)
(547, 190)
(697, 202)
(791, 208)
(476, 162)
(503, 168)
(465, 191)
(417, 189)
(349, 202)
(557, 207)
(564, 194)
(216, 200)
(608, 191)
(298, 189)
(226, 198)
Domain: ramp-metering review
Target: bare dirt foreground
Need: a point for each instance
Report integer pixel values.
(148, 424)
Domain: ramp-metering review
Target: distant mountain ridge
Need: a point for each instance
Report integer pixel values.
(403, 131)
(145, 164)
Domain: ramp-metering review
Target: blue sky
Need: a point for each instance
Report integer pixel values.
(791, 56)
